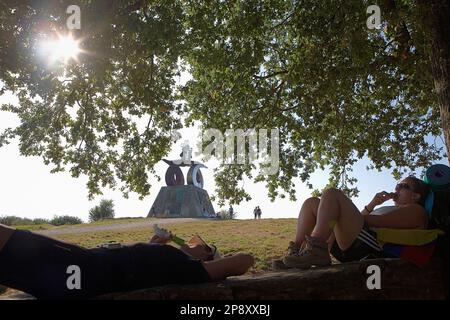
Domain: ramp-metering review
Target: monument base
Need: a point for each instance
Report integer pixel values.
(185, 201)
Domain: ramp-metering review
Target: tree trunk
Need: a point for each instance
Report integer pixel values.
(437, 19)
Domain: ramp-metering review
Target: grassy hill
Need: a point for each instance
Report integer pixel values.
(266, 239)
(46, 226)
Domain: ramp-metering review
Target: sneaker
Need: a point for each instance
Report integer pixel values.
(314, 252)
(293, 249)
(278, 264)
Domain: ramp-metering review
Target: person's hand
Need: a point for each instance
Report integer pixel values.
(198, 252)
(158, 239)
(380, 198)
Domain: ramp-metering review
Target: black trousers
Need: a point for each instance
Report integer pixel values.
(40, 266)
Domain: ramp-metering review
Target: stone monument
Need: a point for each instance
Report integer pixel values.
(179, 200)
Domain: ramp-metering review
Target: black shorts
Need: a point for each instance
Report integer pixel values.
(364, 246)
(39, 266)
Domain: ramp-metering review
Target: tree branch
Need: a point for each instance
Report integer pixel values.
(404, 36)
(289, 16)
(270, 75)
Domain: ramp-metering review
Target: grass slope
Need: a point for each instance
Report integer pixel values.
(266, 239)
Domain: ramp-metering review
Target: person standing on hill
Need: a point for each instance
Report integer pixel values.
(231, 212)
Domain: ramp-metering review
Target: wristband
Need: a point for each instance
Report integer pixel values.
(365, 207)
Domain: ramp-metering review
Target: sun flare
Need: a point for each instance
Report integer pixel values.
(62, 49)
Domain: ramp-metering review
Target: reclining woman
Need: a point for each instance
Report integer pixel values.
(42, 266)
(333, 224)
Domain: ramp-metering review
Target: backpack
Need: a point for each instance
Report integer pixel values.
(440, 216)
(437, 203)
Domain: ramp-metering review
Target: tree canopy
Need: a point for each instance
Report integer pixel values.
(336, 90)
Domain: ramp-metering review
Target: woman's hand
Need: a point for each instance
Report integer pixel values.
(380, 198)
(158, 239)
(198, 252)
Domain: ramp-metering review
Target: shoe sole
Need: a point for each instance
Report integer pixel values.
(292, 263)
(279, 265)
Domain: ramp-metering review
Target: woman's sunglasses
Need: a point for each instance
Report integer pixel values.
(406, 186)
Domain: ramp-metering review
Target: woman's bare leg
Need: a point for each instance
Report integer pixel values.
(235, 265)
(306, 219)
(336, 207)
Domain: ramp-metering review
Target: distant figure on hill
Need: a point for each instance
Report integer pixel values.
(231, 212)
(259, 212)
(255, 212)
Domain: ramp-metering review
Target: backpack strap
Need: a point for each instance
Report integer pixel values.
(429, 202)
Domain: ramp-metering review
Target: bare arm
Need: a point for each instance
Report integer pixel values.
(408, 217)
(364, 212)
(379, 198)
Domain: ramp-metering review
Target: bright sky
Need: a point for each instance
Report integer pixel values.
(27, 189)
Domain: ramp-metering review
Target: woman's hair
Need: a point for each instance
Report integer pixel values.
(421, 188)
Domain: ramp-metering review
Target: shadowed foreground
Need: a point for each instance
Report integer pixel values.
(399, 280)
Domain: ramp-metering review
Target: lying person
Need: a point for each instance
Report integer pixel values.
(333, 224)
(41, 266)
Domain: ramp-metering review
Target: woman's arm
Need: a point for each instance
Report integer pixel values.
(408, 217)
(365, 211)
(379, 198)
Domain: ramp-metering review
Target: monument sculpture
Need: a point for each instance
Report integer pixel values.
(178, 199)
